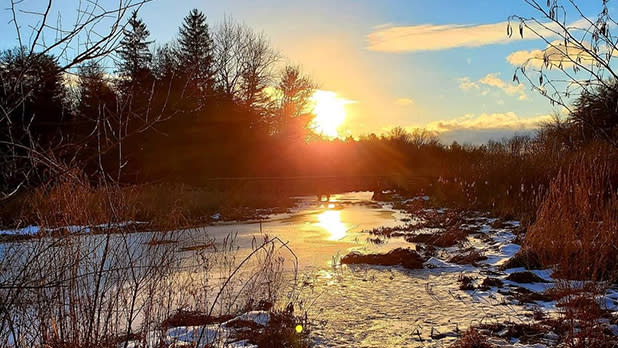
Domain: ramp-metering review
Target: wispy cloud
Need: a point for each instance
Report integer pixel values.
(556, 54)
(467, 84)
(505, 121)
(494, 80)
(431, 37)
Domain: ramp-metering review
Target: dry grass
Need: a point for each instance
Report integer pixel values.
(78, 203)
(472, 339)
(576, 229)
(96, 290)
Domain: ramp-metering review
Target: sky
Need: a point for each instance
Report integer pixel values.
(445, 65)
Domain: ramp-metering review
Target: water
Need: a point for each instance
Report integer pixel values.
(350, 306)
(372, 306)
(317, 231)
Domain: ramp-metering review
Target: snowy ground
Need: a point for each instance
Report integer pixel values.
(376, 306)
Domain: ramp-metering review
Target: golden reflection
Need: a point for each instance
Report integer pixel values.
(330, 220)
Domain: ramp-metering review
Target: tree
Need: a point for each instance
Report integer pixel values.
(244, 63)
(93, 115)
(133, 50)
(164, 62)
(259, 60)
(195, 57)
(400, 135)
(32, 102)
(295, 91)
(41, 110)
(595, 113)
(420, 137)
(93, 34)
(577, 62)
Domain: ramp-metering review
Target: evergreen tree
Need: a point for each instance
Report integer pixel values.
(38, 89)
(136, 91)
(134, 53)
(32, 99)
(165, 63)
(195, 52)
(295, 94)
(93, 119)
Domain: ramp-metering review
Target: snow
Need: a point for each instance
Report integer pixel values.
(417, 198)
(259, 317)
(33, 229)
(437, 263)
(509, 250)
(22, 231)
(214, 335)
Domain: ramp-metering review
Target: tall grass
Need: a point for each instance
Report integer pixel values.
(102, 290)
(576, 228)
(72, 202)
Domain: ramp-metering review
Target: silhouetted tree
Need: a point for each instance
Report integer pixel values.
(93, 34)
(194, 52)
(595, 113)
(399, 135)
(93, 119)
(244, 63)
(165, 62)
(42, 108)
(135, 55)
(295, 91)
(32, 96)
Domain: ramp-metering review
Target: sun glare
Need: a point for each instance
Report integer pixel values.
(329, 113)
(330, 220)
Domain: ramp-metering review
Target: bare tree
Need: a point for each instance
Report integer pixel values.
(578, 59)
(244, 62)
(423, 137)
(93, 35)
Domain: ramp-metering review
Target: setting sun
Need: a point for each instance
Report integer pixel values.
(329, 112)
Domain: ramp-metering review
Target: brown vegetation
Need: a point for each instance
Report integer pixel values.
(406, 258)
(472, 339)
(576, 228)
(78, 203)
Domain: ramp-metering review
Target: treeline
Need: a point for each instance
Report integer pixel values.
(220, 103)
(202, 105)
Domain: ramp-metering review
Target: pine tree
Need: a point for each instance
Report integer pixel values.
(134, 53)
(195, 51)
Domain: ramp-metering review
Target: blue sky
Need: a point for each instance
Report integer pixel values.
(437, 64)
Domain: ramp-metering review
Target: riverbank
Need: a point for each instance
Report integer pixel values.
(486, 254)
(468, 272)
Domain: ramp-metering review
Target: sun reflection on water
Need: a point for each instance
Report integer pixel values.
(330, 220)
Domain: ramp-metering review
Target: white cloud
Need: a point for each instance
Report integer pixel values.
(432, 37)
(508, 121)
(467, 84)
(494, 80)
(556, 54)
